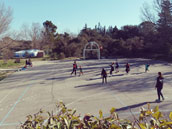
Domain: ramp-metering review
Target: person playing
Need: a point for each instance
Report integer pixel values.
(74, 68)
(23, 68)
(117, 67)
(111, 68)
(146, 67)
(104, 76)
(30, 62)
(26, 62)
(159, 86)
(80, 71)
(127, 68)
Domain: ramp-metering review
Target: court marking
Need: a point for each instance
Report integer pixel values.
(6, 96)
(12, 108)
(83, 98)
(10, 124)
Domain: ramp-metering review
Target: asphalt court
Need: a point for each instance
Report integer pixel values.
(40, 87)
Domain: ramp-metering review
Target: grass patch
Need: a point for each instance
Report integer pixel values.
(10, 64)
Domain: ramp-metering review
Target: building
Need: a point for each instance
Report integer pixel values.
(29, 53)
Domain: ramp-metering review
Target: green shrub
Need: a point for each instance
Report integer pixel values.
(67, 119)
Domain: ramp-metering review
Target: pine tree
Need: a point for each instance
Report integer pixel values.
(164, 26)
(165, 17)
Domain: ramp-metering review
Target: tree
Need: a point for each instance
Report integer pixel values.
(165, 16)
(147, 28)
(50, 28)
(112, 32)
(49, 35)
(128, 31)
(5, 18)
(164, 25)
(6, 46)
(36, 35)
(147, 13)
(24, 33)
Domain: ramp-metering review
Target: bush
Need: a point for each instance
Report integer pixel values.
(67, 119)
(61, 55)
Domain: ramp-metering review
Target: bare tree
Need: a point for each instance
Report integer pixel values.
(157, 5)
(5, 21)
(24, 33)
(36, 35)
(5, 18)
(151, 14)
(6, 44)
(147, 14)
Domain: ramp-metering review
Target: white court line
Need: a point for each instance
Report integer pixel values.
(10, 124)
(12, 108)
(120, 101)
(83, 98)
(6, 96)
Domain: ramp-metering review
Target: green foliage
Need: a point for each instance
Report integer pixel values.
(146, 40)
(67, 119)
(50, 28)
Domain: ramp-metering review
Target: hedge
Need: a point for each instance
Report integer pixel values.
(66, 118)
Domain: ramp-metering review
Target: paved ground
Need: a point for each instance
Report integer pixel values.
(40, 87)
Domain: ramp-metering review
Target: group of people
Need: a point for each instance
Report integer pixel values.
(104, 73)
(112, 68)
(75, 67)
(27, 63)
(159, 82)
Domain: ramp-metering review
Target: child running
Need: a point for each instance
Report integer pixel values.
(74, 68)
(111, 68)
(146, 67)
(117, 67)
(29, 62)
(127, 68)
(104, 76)
(80, 71)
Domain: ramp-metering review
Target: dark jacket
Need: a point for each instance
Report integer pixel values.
(159, 83)
(127, 66)
(112, 68)
(75, 66)
(117, 65)
(104, 74)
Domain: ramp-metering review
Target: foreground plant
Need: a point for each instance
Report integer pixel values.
(67, 119)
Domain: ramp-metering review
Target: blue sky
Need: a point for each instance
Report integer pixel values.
(71, 15)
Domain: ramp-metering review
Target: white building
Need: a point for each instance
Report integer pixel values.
(29, 53)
